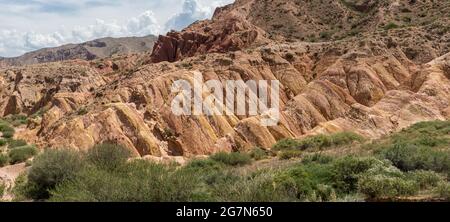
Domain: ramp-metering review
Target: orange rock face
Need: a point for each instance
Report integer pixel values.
(370, 83)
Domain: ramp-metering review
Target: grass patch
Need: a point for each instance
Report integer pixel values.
(2, 189)
(21, 154)
(16, 143)
(426, 179)
(290, 154)
(258, 154)
(232, 159)
(6, 129)
(4, 160)
(104, 174)
(318, 142)
(17, 120)
(443, 191)
(138, 181)
(108, 156)
(391, 25)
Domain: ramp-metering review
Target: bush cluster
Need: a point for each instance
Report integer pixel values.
(318, 142)
(6, 130)
(4, 160)
(105, 173)
(2, 189)
(232, 159)
(21, 154)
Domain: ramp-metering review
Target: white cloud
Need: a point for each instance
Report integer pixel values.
(192, 11)
(13, 42)
(53, 23)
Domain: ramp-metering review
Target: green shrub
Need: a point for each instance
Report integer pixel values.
(258, 154)
(346, 172)
(410, 157)
(204, 165)
(390, 26)
(325, 35)
(290, 154)
(319, 141)
(425, 179)
(286, 144)
(16, 143)
(232, 159)
(50, 169)
(257, 187)
(2, 142)
(429, 128)
(22, 189)
(443, 190)
(431, 134)
(345, 138)
(21, 154)
(317, 158)
(307, 182)
(8, 134)
(382, 186)
(3, 160)
(386, 181)
(7, 131)
(2, 189)
(137, 181)
(17, 120)
(108, 156)
(82, 111)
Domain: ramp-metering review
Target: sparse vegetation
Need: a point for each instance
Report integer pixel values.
(385, 187)
(16, 143)
(21, 154)
(6, 130)
(82, 111)
(2, 142)
(104, 174)
(325, 35)
(108, 156)
(391, 25)
(50, 169)
(232, 159)
(258, 154)
(426, 179)
(4, 160)
(421, 147)
(16, 120)
(290, 154)
(443, 190)
(2, 189)
(318, 142)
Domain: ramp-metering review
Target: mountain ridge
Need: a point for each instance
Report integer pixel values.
(90, 50)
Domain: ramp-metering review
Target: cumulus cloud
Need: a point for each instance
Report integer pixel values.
(16, 37)
(193, 10)
(13, 42)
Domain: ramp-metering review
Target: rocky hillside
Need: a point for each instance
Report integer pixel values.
(374, 74)
(96, 49)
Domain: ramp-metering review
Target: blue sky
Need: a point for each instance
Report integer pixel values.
(27, 25)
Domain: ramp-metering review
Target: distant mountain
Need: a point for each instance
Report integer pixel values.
(99, 48)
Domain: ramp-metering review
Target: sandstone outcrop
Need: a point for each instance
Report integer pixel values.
(375, 82)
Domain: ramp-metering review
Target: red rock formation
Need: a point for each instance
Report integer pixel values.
(227, 31)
